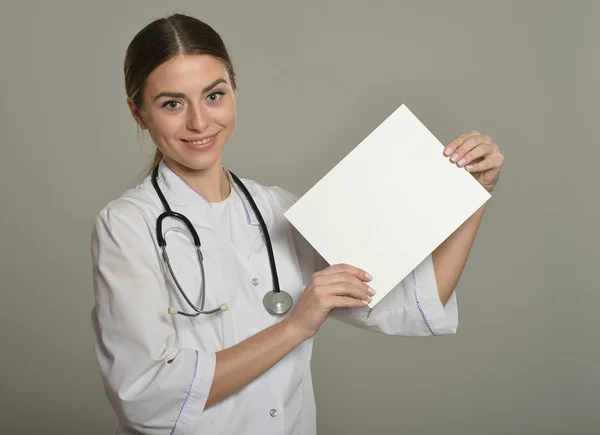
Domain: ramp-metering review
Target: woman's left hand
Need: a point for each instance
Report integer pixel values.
(479, 155)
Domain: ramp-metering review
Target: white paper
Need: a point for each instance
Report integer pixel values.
(389, 203)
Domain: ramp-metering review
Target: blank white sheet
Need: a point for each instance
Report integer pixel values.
(389, 203)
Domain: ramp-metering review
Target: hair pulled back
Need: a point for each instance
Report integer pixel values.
(162, 40)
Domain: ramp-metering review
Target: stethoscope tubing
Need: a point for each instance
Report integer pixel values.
(270, 297)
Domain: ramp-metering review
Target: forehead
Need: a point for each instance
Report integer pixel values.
(186, 73)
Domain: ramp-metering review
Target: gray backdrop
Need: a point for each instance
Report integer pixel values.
(315, 79)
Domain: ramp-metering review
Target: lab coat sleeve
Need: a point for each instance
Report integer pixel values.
(412, 308)
(153, 386)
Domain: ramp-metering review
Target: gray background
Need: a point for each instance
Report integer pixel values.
(315, 78)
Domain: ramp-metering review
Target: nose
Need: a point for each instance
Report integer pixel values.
(197, 118)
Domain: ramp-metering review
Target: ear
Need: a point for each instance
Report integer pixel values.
(136, 113)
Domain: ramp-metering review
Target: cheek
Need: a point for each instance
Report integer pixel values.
(165, 125)
(226, 115)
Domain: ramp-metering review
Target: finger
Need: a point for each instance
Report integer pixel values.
(343, 289)
(469, 143)
(342, 302)
(344, 277)
(457, 141)
(476, 161)
(361, 274)
(484, 165)
(480, 151)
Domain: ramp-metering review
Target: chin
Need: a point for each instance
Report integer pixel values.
(197, 163)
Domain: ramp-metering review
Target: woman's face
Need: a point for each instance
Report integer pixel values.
(189, 109)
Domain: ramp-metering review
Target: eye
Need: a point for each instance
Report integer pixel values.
(171, 104)
(215, 96)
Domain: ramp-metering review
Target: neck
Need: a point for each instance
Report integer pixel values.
(212, 183)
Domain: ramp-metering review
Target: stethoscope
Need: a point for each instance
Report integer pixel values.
(276, 301)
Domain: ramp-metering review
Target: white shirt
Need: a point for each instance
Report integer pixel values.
(158, 368)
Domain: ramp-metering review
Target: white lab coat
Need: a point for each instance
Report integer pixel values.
(158, 368)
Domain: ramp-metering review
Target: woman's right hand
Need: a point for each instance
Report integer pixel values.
(337, 286)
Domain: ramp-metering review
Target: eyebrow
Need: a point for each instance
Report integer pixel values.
(180, 95)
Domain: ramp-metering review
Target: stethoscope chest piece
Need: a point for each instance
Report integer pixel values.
(278, 302)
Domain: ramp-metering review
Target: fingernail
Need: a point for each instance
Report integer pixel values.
(454, 157)
(365, 302)
(369, 298)
(468, 167)
(448, 151)
(368, 276)
(462, 162)
(371, 291)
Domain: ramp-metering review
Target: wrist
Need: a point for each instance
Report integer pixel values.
(293, 331)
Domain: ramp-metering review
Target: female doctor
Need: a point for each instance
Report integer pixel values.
(206, 299)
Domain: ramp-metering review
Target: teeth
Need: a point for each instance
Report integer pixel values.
(201, 142)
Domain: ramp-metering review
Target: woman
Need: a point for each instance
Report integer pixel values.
(244, 369)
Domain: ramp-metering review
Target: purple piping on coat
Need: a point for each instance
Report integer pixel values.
(188, 395)
(419, 303)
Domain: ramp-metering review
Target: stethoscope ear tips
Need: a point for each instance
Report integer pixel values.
(172, 310)
(223, 307)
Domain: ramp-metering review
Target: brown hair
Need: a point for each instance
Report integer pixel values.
(162, 40)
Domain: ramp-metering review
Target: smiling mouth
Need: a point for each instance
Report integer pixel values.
(200, 141)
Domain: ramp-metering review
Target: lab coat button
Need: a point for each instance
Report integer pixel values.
(255, 282)
(273, 413)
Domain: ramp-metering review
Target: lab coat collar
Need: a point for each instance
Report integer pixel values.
(178, 192)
